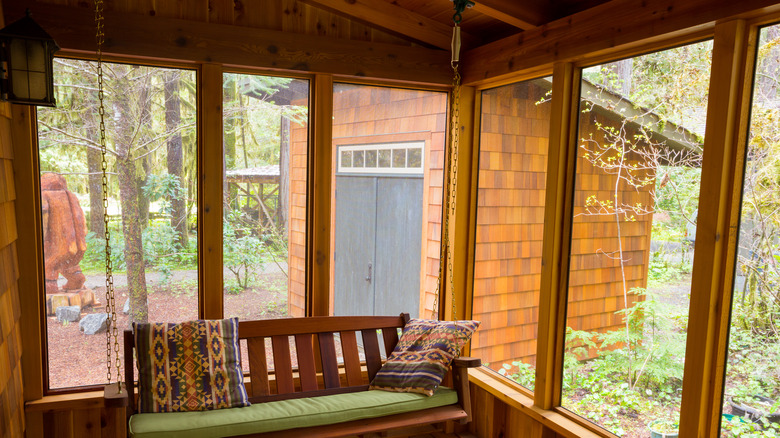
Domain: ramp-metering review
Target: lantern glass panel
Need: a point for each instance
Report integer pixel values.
(37, 85)
(36, 56)
(21, 84)
(18, 54)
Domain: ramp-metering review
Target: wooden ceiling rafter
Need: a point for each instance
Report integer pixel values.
(524, 15)
(395, 19)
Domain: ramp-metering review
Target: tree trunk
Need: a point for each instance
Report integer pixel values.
(128, 198)
(767, 79)
(623, 71)
(229, 142)
(94, 165)
(143, 201)
(95, 177)
(175, 157)
(284, 175)
(146, 126)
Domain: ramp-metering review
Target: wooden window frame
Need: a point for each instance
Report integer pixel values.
(210, 209)
(733, 59)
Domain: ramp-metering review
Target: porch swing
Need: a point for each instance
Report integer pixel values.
(191, 380)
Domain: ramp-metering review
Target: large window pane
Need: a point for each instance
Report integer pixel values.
(151, 142)
(752, 394)
(636, 193)
(388, 148)
(510, 223)
(265, 154)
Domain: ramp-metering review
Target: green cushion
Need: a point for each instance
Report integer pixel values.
(285, 414)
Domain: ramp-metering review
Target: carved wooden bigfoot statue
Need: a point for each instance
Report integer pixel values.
(64, 233)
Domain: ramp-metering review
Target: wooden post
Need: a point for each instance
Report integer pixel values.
(461, 238)
(318, 253)
(557, 234)
(29, 248)
(717, 228)
(211, 176)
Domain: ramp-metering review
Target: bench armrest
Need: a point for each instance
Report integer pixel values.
(467, 362)
(113, 398)
(460, 378)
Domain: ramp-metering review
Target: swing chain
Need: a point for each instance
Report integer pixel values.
(111, 325)
(453, 181)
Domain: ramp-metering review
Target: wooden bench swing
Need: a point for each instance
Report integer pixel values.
(321, 396)
(318, 374)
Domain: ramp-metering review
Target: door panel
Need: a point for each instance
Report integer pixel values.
(355, 245)
(398, 246)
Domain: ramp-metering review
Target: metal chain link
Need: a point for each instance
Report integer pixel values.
(453, 178)
(112, 332)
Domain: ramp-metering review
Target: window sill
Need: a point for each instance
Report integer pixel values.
(510, 395)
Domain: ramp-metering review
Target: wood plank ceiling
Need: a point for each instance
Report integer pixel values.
(398, 39)
(423, 22)
(428, 22)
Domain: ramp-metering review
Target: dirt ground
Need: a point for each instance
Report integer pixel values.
(76, 359)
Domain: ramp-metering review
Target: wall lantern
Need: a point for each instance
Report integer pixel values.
(26, 56)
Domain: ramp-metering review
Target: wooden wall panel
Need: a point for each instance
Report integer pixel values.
(12, 422)
(510, 224)
(493, 418)
(76, 419)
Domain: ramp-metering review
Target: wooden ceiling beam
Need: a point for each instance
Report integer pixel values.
(522, 15)
(618, 28)
(176, 40)
(394, 19)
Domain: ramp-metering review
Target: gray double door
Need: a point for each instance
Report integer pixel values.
(378, 245)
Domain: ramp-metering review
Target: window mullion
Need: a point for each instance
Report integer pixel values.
(717, 228)
(562, 154)
(210, 169)
(319, 198)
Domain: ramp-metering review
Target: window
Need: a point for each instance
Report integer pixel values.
(514, 134)
(388, 146)
(752, 392)
(265, 154)
(391, 158)
(635, 205)
(152, 188)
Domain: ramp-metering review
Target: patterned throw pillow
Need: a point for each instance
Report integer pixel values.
(423, 355)
(191, 366)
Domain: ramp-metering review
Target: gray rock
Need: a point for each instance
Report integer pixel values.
(93, 323)
(68, 313)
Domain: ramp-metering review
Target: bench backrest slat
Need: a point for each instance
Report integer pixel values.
(349, 348)
(330, 366)
(371, 348)
(390, 336)
(282, 364)
(307, 370)
(316, 324)
(258, 367)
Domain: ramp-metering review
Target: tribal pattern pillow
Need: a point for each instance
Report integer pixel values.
(191, 366)
(423, 355)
